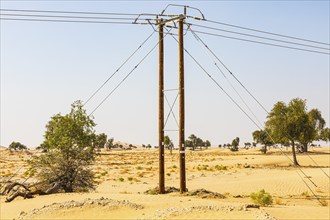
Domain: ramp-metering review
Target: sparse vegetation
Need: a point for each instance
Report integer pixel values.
(220, 167)
(262, 198)
(17, 146)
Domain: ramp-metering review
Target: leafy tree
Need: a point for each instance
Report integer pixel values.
(247, 145)
(207, 143)
(168, 142)
(109, 144)
(99, 140)
(262, 137)
(69, 143)
(234, 144)
(293, 124)
(17, 146)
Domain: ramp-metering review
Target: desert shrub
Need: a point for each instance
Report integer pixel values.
(121, 179)
(104, 173)
(220, 167)
(262, 198)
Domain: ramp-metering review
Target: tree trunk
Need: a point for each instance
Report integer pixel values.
(295, 162)
(304, 147)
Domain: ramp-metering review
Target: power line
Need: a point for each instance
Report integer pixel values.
(232, 86)
(259, 42)
(135, 67)
(71, 21)
(73, 12)
(231, 73)
(107, 80)
(266, 32)
(260, 37)
(76, 17)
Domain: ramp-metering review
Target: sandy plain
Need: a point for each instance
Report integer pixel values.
(124, 176)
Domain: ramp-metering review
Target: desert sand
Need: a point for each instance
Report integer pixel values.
(123, 177)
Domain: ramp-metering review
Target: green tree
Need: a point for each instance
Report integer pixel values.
(207, 143)
(69, 143)
(109, 144)
(168, 143)
(17, 146)
(235, 144)
(191, 142)
(262, 137)
(100, 140)
(293, 124)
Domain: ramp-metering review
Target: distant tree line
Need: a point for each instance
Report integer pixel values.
(193, 142)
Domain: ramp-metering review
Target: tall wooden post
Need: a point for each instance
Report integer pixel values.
(181, 110)
(161, 110)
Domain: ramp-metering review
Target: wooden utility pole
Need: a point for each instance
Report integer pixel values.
(181, 110)
(161, 109)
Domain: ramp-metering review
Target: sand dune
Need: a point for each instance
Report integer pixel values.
(124, 176)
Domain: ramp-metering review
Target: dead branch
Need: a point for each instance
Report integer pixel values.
(28, 191)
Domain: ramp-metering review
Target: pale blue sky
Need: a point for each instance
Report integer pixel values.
(46, 66)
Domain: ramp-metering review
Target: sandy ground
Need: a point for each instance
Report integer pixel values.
(124, 176)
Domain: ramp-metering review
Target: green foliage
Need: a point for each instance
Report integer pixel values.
(109, 144)
(99, 140)
(221, 167)
(17, 146)
(262, 198)
(168, 142)
(235, 144)
(194, 141)
(325, 134)
(69, 151)
(262, 137)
